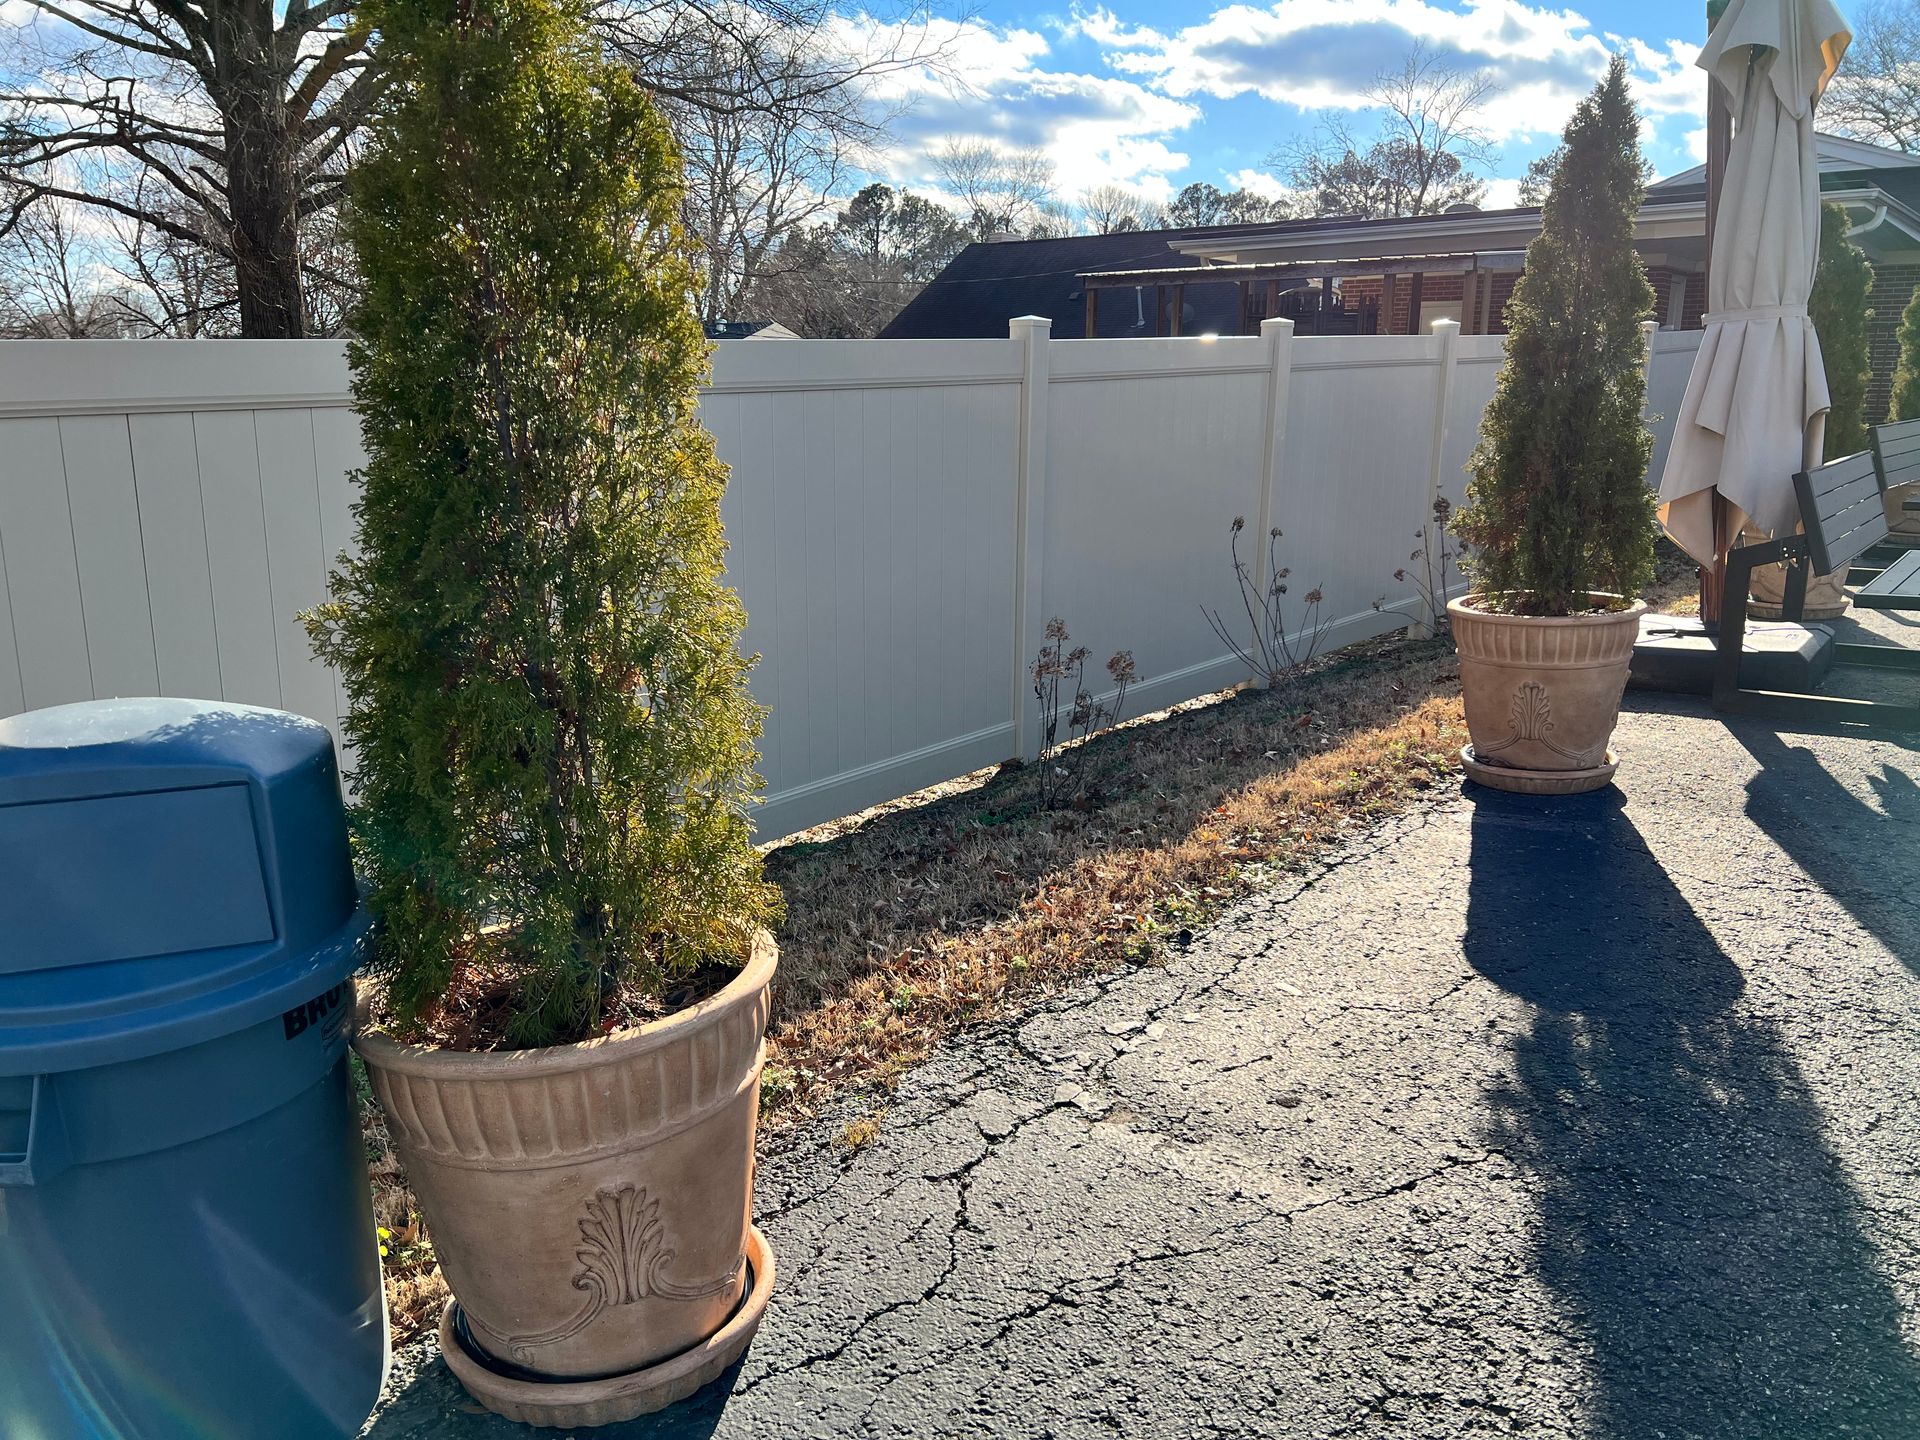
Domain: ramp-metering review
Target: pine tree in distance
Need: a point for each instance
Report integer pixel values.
(1838, 306)
(1906, 377)
(1558, 509)
(554, 741)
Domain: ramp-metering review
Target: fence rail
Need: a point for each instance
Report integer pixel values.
(904, 517)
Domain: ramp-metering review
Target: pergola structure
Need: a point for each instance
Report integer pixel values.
(1262, 283)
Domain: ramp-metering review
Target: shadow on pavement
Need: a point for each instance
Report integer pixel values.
(1863, 857)
(432, 1406)
(1692, 1222)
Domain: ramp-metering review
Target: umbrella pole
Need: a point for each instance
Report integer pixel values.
(1713, 578)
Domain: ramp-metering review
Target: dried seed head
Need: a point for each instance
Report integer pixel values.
(1120, 666)
(1239, 523)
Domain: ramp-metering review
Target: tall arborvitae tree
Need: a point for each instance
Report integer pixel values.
(1838, 305)
(1906, 377)
(1558, 508)
(554, 738)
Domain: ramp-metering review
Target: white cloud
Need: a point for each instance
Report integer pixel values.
(1321, 54)
(1259, 182)
(991, 83)
(1501, 194)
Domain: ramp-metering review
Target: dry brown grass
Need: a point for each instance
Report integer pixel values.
(1676, 582)
(915, 920)
(916, 923)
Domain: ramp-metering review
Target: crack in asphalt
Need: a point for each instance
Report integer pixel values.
(1368, 1158)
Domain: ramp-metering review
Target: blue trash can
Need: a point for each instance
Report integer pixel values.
(187, 1246)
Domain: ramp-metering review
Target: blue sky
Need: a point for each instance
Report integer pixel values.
(1154, 94)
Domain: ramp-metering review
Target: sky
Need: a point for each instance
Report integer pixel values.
(1156, 94)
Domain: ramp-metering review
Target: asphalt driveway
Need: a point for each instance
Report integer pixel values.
(1594, 1117)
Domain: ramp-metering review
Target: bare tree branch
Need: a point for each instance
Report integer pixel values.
(1876, 95)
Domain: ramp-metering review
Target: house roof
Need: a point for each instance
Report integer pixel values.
(1832, 152)
(987, 285)
(748, 330)
(1674, 215)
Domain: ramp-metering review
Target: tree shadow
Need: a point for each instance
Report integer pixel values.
(1693, 1222)
(432, 1406)
(1863, 857)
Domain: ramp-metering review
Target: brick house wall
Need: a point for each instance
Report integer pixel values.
(1434, 287)
(1893, 287)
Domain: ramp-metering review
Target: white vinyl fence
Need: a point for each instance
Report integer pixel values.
(904, 517)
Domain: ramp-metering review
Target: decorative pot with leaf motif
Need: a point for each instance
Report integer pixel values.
(590, 1204)
(1542, 693)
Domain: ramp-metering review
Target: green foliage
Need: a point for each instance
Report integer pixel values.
(1906, 378)
(554, 739)
(1558, 508)
(1838, 305)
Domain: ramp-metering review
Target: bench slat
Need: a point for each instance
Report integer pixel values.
(1898, 475)
(1897, 440)
(1841, 511)
(1895, 588)
(1839, 474)
(1850, 536)
(1843, 498)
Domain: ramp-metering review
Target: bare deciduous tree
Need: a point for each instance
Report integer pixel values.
(771, 104)
(1114, 209)
(1421, 160)
(1001, 191)
(1876, 95)
(221, 123)
(228, 125)
(46, 290)
(756, 173)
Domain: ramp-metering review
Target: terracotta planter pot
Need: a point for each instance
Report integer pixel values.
(1542, 694)
(1826, 594)
(590, 1204)
(1902, 522)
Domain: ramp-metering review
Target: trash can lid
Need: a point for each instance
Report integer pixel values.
(176, 870)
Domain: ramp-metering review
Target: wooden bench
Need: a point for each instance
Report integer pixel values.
(1897, 448)
(1842, 517)
(1896, 459)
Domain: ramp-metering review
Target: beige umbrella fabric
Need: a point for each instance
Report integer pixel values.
(1757, 397)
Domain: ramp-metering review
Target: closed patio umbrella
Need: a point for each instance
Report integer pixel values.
(1756, 401)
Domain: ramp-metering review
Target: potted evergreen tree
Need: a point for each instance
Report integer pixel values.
(552, 735)
(1558, 527)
